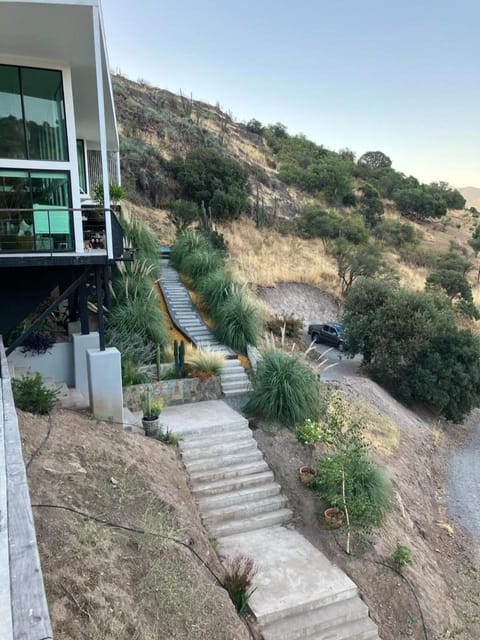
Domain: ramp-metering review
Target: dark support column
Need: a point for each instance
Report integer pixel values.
(108, 292)
(83, 304)
(101, 322)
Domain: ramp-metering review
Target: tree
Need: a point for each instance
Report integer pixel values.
(414, 347)
(457, 288)
(353, 262)
(255, 126)
(219, 181)
(375, 160)
(182, 213)
(371, 207)
(418, 203)
(452, 197)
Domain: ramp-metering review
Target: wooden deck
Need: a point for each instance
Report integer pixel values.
(23, 604)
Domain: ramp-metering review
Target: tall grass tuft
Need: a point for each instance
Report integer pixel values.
(198, 264)
(285, 388)
(238, 321)
(205, 360)
(214, 289)
(187, 242)
(138, 235)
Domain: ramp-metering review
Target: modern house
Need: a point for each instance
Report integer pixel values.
(58, 145)
(58, 142)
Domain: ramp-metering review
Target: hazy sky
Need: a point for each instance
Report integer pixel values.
(402, 76)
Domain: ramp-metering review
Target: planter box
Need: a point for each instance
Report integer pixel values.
(180, 391)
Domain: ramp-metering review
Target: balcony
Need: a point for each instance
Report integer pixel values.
(47, 230)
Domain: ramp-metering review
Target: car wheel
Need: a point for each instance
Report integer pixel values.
(341, 346)
(315, 337)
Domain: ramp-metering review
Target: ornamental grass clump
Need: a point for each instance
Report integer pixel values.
(214, 289)
(200, 263)
(238, 322)
(285, 388)
(187, 242)
(239, 573)
(205, 361)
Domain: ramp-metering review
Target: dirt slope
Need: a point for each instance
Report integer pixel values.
(105, 583)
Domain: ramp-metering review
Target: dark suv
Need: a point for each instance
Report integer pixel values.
(331, 333)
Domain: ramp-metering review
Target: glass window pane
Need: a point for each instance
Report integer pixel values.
(14, 190)
(44, 114)
(82, 173)
(52, 219)
(12, 135)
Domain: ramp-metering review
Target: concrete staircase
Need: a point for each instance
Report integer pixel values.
(298, 594)
(186, 318)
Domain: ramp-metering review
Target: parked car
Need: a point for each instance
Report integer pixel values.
(331, 333)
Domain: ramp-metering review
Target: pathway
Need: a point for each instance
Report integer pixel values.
(186, 318)
(298, 594)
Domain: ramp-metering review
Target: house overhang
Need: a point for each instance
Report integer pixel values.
(64, 33)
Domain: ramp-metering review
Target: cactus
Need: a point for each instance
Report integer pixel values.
(181, 359)
(158, 362)
(179, 355)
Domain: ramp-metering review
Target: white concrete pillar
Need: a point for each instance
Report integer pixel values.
(105, 383)
(81, 344)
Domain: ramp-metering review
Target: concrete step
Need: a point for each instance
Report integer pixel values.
(239, 497)
(217, 451)
(233, 364)
(364, 629)
(236, 392)
(260, 521)
(250, 456)
(233, 377)
(202, 442)
(204, 489)
(235, 384)
(310, 623)
(241, 511)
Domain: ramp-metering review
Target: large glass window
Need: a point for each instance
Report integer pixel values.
(34, 211)
(12, 130)
(82, 169)
(32, 114)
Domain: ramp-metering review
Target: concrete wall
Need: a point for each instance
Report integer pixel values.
(175, 391)
(57, 363)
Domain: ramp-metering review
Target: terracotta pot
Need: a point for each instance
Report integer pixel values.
(307, 475)
(334, 517)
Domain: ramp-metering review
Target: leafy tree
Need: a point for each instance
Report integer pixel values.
(362, 303)
(452, 197)
(457, 288)
(454, 261)
(418, 203)
(255, 126)
(474, 241)
(371, 207)
(375, 160)
(182, 213)
(353, 262)
(209, 176)
(415, 349)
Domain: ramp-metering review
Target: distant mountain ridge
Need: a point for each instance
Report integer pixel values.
(472, 196)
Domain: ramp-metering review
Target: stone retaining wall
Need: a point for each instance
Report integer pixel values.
(175, 391)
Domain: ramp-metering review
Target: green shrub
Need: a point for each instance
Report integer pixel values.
(285, 388)
(30, 394)
(238, 322)
(132, 374)
(397, 234)
(308, 432)
(139, 236)
(401, 557)
(139, 320)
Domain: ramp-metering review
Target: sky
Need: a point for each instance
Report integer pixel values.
(399, 76)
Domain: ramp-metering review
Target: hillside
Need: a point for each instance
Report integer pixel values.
(472, 196)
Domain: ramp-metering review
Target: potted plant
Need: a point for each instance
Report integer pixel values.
(307, 475)
(152, 408)
(334, 517)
